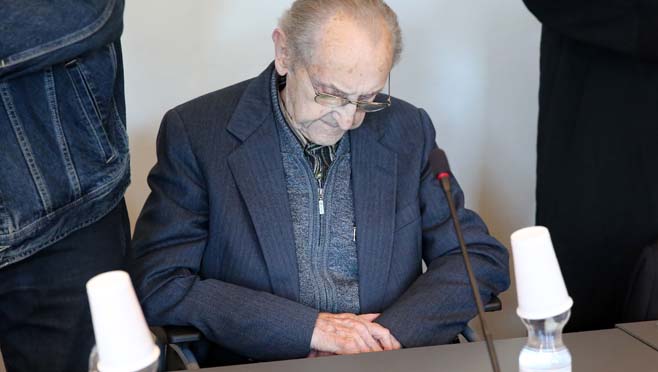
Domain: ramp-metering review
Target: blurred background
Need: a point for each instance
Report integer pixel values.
(474, 66)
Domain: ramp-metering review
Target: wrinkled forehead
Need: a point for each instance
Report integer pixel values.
(352, 54)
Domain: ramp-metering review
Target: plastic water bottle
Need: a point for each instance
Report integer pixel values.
(545, 351)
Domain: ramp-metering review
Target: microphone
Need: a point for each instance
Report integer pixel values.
(440, 168)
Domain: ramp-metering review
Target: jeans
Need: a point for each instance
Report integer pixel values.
(45, 322)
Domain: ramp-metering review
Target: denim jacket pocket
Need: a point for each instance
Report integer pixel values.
(91, 98)
(63, 150)
(90, 109)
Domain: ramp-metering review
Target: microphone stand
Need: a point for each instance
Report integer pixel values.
(444, 178)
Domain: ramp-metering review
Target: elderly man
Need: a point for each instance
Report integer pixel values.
(290, 213)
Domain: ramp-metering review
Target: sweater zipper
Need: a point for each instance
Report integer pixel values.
(320, 211)
(321, 200)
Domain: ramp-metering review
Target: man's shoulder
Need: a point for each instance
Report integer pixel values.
(402, 106)
(203, 120)
(402, 119)
(213, 106)
(218, 106)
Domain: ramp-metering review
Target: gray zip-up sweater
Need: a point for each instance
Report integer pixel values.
(325, 243)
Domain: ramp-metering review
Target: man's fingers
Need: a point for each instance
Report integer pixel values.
(348, 341)
(382, 335)
(368, 337)
(396, 343)
(352, 343)
(377, 337)
(369, 317)
(350, 334)
(386, 342)
(362, 331)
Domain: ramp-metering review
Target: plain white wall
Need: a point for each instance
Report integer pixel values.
(473, 65)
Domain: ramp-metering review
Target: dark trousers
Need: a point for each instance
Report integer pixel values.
(45, 322)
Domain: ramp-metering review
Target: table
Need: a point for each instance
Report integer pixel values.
(646, 332)
(610, 350)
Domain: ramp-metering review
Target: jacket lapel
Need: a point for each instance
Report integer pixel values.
(257, 168)
(374, 177)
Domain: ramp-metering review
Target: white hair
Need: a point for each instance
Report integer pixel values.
(302, 21)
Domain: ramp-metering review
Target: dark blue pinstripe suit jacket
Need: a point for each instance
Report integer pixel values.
(214, 245)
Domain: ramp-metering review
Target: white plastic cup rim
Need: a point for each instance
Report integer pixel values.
(547, 312)
(134, 366)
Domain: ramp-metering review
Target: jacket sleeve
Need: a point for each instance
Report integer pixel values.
(439, 303)
(169, 243)
(626, 26)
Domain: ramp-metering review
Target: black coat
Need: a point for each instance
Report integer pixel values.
(597, 147)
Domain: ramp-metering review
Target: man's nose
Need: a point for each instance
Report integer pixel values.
(346, 116)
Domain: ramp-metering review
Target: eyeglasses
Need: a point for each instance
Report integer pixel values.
(330, 100)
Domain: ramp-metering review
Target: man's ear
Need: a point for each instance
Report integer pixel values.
(281, 52)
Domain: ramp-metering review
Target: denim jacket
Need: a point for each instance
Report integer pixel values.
(64, 160)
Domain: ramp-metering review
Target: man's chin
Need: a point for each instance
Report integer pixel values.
(329, 140)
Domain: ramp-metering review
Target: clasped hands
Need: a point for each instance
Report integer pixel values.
(350, 334)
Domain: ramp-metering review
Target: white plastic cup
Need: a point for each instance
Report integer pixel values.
(540, 288)
(123, 340)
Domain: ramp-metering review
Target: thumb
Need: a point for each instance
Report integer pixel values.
(369, 317)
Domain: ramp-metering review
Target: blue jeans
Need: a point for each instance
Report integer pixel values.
(45, 322)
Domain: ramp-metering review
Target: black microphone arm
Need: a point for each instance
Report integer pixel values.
(441, 170)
